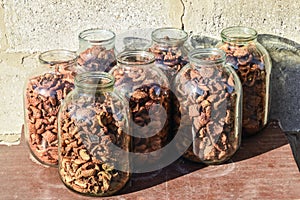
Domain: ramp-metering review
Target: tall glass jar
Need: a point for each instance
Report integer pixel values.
(97, 50)
(93, 139)
(44, 91)
(170, 52)
(209, 92)
(149, 96)
(252, 63)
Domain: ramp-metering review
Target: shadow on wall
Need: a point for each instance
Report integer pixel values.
(285, 87)
(285, 90)
(285, 56)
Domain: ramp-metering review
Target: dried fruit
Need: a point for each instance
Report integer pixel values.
(43, 97)
(208, 112)
(87, 160)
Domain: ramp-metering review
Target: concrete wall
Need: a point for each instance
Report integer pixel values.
(31, 26)
(209, 17)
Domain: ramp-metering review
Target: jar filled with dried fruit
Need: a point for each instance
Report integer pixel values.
(169, 50)
(97, 50)
(44, 91)
(148, 93)
(93, 139)
(209, 92)
(252, 63)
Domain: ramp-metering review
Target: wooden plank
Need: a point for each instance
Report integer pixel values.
(263, 168)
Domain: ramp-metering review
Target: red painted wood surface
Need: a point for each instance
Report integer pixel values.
(263, 168)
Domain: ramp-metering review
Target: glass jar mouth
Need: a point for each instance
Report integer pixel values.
(92, 81)
(57, 56)
(238, 34)
(97, 36)
(169, 35)
(135, 57)
(209, 56)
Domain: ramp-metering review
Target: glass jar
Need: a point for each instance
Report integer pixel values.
(97, 50)
(93, 127)
(44, 91)
(209, 92)
(169, 50)
(252, 63)
(148, 92)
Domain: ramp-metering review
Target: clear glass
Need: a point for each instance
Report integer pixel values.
(209, 92)
(252, 63)
(148, 92)
(44, 91)
(93, 127)
(170, 52)
(97, 50)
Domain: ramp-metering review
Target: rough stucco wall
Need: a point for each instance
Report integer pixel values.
(28, 26)
(12, 77)
(209, 17)
(38, 25)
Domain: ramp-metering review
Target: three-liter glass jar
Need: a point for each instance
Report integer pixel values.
(44, 91)
(148, 93)
(209, 92)
(97, 50)
(252, 63)
(169, 50)
(93, 137)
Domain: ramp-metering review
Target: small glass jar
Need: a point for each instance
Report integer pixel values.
(169, 50)
(209, 92)
(97, 50)
(148, 92)
(44, 91)
(93, 127)
(252, 63)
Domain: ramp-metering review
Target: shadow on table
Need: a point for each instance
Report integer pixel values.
(269, 139)
(285, 55)
(146, 180)
(272, 137)
(294, 140)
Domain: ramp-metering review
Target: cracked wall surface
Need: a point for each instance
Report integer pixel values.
(28, 27)
(209, 17)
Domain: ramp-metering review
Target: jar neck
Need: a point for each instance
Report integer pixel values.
(238, 35)
(60, 59)
(97, 37)
(169, 36)
(94, 82)
(136, 58)
(204, 58)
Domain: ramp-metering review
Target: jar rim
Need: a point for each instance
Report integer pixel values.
(203, 56)
(169, 35)
(238, 33)
(94, 81)
(57, 56)
(97, 35)
(135, 57)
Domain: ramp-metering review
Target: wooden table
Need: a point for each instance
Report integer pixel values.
(263, 168)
